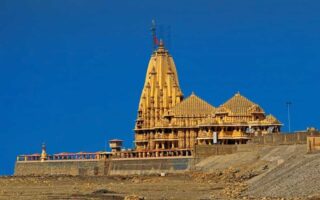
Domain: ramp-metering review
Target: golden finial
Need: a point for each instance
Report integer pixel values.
(161, 43)
(161, 46)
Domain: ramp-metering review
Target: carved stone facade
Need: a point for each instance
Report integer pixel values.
(168, 124)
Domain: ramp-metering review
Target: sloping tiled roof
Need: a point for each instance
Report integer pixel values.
(222, 109)
(193, 105)
(240, 106)
(271, 119)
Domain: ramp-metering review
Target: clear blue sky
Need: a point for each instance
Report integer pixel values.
(71, 72)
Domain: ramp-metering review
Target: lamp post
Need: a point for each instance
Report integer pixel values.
(289, 121)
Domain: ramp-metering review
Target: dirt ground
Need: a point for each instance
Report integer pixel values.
(282, 172)
(184, 186)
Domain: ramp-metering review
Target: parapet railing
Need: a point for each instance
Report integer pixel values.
(66, 156)
(143, 153)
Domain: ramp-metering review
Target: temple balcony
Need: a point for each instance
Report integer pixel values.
(140, 137)
(141, 141)
(165, 137)
(205, 134)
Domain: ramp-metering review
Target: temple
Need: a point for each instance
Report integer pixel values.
(169, 124)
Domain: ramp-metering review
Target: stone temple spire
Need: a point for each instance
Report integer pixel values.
(161, 89)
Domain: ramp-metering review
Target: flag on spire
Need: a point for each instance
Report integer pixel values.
(155, 40)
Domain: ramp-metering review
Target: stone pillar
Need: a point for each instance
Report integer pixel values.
(151, 140)
(180, 137)
(210, 133)
(192, 134)
(187, 138)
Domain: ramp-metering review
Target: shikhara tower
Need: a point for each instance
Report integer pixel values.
(161, 90)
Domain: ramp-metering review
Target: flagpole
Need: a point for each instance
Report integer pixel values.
(154, 36)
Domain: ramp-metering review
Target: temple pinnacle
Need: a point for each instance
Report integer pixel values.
(161, 43)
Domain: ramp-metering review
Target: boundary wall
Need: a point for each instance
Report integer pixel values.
(204, 151)
(74, 167)
(282, 138)
(142, 166)
(149, 166)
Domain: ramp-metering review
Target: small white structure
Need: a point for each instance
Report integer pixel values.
(115, 145)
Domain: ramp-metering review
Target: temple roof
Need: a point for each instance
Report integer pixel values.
(240, 106)
(193, 105)
(271, 119)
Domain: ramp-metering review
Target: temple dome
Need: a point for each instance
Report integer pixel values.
(193, 106)
(239, 105)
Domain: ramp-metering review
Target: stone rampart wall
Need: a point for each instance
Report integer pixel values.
(203, 151)
(84, 168)
(149, 166)
(144, 166)
(277, 139)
